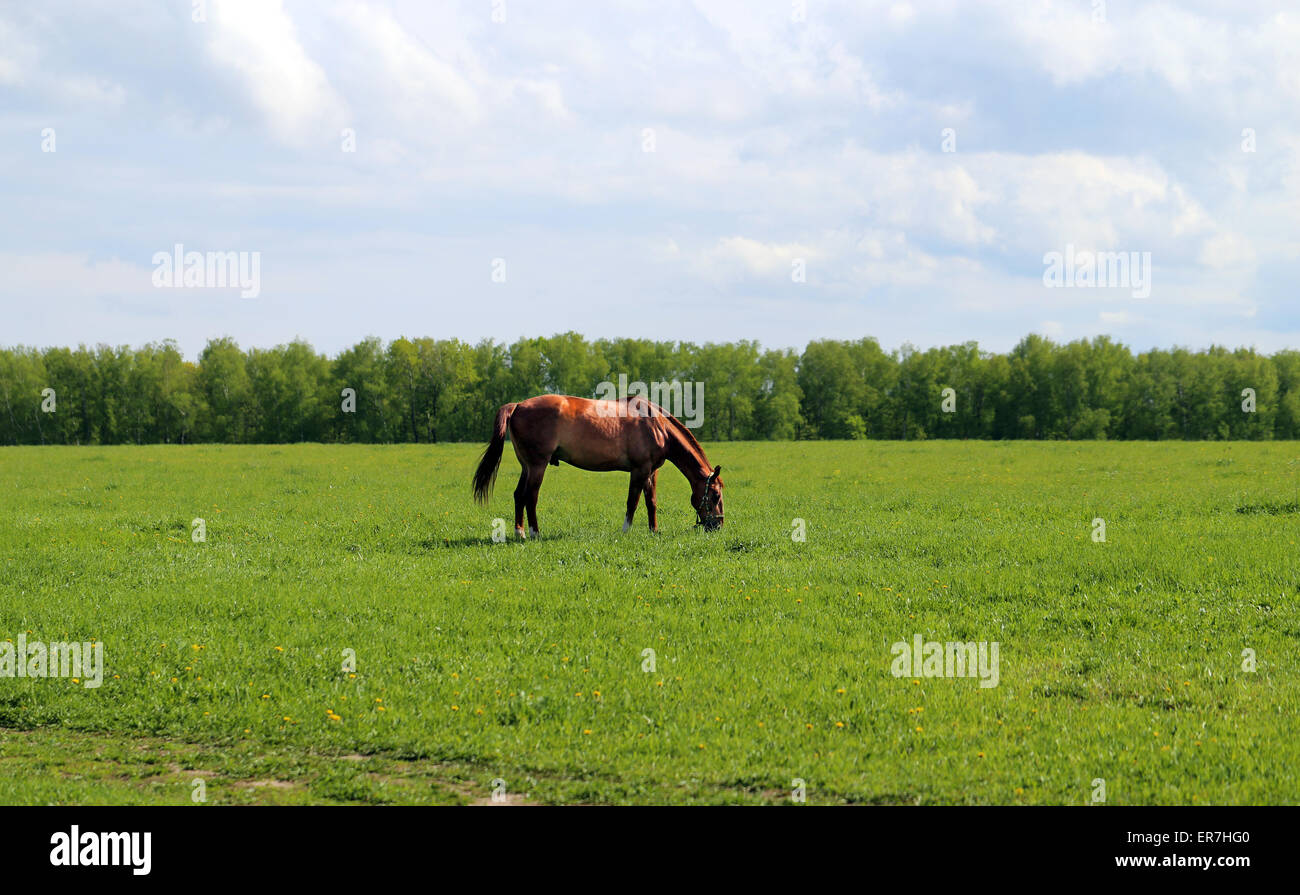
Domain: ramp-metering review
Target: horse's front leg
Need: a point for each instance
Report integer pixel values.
(633, 496)
(651, 500)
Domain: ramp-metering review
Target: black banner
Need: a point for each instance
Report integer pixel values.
(139, 846)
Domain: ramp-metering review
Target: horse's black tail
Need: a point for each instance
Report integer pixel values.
(486, 474)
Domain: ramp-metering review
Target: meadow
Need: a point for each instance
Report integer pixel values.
(522, 668)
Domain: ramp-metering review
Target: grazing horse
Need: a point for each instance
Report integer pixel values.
(632, 435)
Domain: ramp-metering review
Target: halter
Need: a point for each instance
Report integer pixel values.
(708, 518)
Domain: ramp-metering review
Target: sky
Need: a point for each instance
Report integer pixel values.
(770, 170)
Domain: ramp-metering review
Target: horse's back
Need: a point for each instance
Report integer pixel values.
(588, 433)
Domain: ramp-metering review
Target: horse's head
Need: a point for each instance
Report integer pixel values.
(707, 498)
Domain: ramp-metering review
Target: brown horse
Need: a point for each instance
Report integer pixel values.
(633, 435)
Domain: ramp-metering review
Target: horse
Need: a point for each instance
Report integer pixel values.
(632, 435)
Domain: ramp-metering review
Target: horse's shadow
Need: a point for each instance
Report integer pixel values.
(425, 545)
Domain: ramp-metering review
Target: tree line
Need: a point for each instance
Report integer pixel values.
(439, 390)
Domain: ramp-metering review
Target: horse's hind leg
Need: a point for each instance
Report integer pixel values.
(536, 473)
(521, 493)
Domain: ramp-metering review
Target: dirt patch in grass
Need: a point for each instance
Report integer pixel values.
(56, 766)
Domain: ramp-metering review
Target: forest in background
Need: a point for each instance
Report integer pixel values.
(435, 390)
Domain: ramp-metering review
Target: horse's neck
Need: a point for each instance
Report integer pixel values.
(686, 457)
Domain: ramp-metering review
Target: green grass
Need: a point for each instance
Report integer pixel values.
(1119, 660)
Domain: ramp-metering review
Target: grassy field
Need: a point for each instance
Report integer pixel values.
(524, 662)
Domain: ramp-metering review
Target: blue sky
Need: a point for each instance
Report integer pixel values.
(782, 132)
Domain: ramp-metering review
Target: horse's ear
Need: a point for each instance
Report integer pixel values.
(713, 476)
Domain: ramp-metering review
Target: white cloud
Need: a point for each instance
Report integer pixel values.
(418, 85)
(257, 40)
(737, 256)
(55, 275)
(22, 65)
(1226, 250)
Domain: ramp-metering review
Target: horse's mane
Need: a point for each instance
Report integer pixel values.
(687, 437)
(691, 444)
